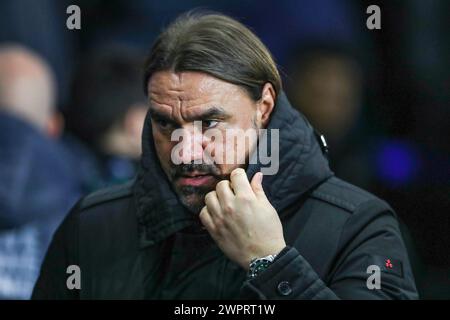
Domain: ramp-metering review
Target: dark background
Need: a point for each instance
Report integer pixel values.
(400, 136)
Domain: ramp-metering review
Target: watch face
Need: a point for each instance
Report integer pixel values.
(259, 265)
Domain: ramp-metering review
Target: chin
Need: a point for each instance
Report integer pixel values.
(194, 203)
(194, 208)
(193, 198)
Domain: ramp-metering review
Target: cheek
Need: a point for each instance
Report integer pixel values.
(163, 148)
(231, 149)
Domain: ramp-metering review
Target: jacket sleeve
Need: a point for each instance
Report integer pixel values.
(371, 235)
(62, 253)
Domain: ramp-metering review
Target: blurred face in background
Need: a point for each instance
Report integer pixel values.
(124, 137)
(327, 90)
(179, 99)
(27, 89)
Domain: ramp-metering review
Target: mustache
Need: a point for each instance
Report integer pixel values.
(201, 169)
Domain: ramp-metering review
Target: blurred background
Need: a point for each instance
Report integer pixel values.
(72, 109)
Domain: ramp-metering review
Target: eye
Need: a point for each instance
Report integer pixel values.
(163, 124)
(209, 123)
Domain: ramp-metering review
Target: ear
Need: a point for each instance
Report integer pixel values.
(266, 104)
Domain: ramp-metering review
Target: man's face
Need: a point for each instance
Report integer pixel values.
(195, 104)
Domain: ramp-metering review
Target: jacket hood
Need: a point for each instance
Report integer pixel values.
(302, 166)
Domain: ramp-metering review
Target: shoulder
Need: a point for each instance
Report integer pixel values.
(347, 198)
(346, 205)
(107, 195)
(106, 207)
(106, 217)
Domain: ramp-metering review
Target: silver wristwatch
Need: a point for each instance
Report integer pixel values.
(258, 265)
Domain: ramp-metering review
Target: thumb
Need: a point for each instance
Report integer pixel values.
(257, 185)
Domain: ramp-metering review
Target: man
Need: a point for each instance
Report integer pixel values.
(36, 184)
(190, 228)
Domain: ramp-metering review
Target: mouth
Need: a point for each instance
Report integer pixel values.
(195, 179)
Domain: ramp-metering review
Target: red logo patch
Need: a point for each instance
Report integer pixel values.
(388, 264)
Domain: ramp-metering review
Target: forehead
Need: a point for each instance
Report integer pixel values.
(184, 84)
(190, 90)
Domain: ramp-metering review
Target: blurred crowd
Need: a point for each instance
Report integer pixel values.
(72, 110)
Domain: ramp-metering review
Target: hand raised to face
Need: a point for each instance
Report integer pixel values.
(241, 220)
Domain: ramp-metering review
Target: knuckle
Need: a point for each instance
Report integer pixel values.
(202, 213)
(222, 184)
(237, 171)
(245, 198)
(208, 196)
(228, 209)
(219, 222)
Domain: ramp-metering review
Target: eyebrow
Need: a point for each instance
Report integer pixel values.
(156, 114)
(214, 112)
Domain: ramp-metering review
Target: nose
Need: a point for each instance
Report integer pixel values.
(189, 148)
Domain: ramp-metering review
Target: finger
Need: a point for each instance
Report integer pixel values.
(240, 183)
(206, 219)
(213, 205)
(256, 185)
(224, 192)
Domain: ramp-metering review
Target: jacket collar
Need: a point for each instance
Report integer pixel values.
(301, 167)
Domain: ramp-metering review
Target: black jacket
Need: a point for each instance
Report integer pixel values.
(136, 241)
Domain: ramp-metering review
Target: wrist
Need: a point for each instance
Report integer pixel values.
(273, 251)
(259, 265)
